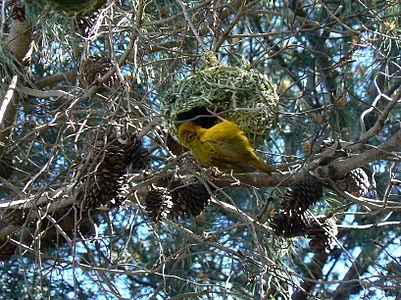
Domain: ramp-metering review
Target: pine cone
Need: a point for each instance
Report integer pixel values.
(6, 250)
(303, 193)
(189, 199)
(322, 233)
(17, 11)
(15, 217)
(85, 23)
(99, 190)
(93, 68)
(287, 225)
(105, 158)
(6, 166)
(355, 182)
(158, 203)
(135, 154)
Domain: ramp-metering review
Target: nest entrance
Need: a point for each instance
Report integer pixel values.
(200, 116)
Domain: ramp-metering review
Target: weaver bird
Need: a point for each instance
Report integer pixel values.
(224, 146)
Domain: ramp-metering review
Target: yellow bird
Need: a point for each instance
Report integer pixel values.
(224, 146)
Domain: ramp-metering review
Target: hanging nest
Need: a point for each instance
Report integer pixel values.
(71, 7)
(245, 97)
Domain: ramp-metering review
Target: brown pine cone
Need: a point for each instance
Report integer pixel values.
(189, 199)
(287, 225)
(6, 250)
(322, 233)
(105, 162)
(303, 193)
(158, 203)
(355, 182)
(6, 166)
(93, 68)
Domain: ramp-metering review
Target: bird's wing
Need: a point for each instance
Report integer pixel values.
(227, 140)
(229, 148)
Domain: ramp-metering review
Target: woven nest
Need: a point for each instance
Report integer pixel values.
(71, 7)
(245, 97)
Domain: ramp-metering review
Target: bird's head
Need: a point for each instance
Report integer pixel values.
(188, 133)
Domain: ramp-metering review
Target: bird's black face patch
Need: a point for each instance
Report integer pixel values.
(199, 116)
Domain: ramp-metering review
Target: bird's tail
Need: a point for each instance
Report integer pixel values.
(261, 165)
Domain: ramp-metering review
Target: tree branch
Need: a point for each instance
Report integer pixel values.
(52, 80)
(381, 120)
(18, 42)
(339, 168)
(45, 94)
(8, 113)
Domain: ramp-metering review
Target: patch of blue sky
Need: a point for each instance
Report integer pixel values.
(350, 218)
(394, 249)
(376, 294)
(308, 258)
(340, 267)
(278, 146)
(379, 166)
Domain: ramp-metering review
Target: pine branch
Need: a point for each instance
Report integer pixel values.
(339, 168)
(381, 120)
(55, 79)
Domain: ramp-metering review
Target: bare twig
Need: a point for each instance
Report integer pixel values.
(191, 25)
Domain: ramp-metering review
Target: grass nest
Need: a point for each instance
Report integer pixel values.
(71, 7)
(245, 97)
